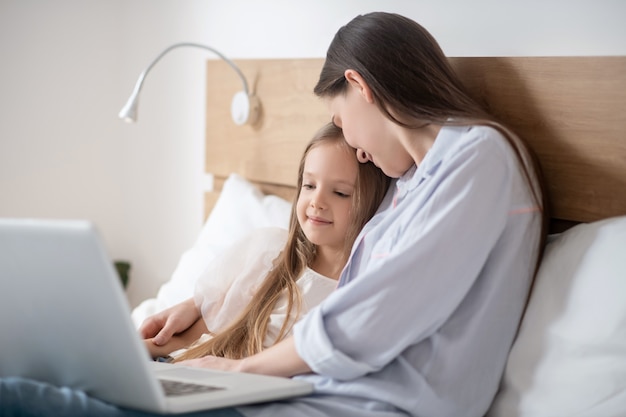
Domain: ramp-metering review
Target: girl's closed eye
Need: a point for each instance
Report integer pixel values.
(343, 194)
(308, 186)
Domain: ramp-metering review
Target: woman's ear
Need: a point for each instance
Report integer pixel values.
(355, 80)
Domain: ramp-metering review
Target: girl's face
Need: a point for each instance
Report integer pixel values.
(368, 130)
(325, 200)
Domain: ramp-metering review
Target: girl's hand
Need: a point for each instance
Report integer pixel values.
(214, 362)
(177, 341)
(157, 351)
(162, 326)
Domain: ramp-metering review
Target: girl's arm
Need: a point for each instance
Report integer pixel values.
(221, 292)
(162, 326)
(177, 341)
(282, 359)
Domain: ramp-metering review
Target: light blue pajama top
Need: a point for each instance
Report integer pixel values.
(429, 303)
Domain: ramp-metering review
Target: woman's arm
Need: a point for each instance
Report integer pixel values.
(282, 359)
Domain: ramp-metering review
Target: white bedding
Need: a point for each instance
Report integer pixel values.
(569, 358)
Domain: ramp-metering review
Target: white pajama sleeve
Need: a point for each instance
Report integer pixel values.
(229, 282)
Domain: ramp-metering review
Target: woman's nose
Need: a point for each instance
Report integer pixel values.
(362, 156)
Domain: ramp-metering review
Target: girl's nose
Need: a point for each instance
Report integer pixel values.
(317, 200)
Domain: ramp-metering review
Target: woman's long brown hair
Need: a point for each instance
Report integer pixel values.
(246, 335)
(413, 83)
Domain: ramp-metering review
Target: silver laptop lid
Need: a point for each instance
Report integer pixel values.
(64, 318)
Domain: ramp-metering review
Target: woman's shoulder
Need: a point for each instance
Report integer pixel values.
(472, 134)
(479, 139)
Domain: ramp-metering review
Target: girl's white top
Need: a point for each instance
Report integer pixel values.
(229, 282)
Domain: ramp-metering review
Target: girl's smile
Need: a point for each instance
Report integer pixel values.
(318, 221)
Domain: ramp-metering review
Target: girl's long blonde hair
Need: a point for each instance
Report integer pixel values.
(246, 334)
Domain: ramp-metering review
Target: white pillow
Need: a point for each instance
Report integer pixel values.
(569, 358)
(240, 209)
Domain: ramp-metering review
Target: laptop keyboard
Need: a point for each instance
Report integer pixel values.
(176, 388)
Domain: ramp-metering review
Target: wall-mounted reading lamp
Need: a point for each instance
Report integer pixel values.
(244, 108)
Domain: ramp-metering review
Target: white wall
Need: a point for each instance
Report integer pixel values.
(60, 148)
(68, 66)
(284, 28)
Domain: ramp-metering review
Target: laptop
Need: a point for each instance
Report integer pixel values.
(64, 319)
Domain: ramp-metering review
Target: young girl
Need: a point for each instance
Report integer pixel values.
(429, 302)
(251, 297)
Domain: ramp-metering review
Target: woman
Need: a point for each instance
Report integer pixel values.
(434, 290)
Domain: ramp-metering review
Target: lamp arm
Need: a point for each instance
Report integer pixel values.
(244, 109)
(194, 45)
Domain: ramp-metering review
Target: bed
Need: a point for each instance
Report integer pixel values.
(569, 358)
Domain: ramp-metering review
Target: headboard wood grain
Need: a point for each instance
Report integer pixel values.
(269, 152)
(571, 110)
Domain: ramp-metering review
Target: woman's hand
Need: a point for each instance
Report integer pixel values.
(282, 359)
(162, 326)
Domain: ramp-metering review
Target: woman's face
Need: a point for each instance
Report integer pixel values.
(368, 130)
(325, 200)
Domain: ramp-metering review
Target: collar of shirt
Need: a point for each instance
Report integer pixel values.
(431, 162)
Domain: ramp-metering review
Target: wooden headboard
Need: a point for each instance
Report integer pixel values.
(571, 110)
